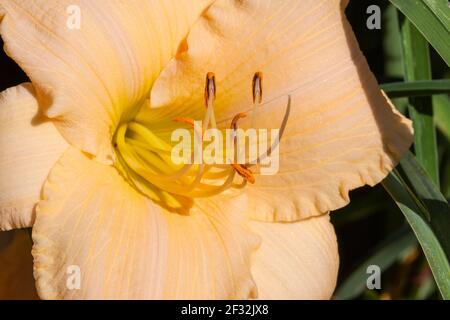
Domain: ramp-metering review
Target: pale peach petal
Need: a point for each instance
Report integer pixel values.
(297, 260)
(341, 132)
(29, 145)
(127, 247)
(16, 266)
(92, 77)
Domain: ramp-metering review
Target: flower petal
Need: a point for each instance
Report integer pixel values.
(30, 145)
(126, 247)
(342, 133)
(93, 62)
(16, 266)
(297, 260)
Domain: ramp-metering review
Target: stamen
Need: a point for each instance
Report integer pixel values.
(244, 172)
(257, 94)
(210, 87)
(236, 119)
(189, 121)
(144, 155)
(210, 97)
(217, 190)
(148, 136)
(257, 87)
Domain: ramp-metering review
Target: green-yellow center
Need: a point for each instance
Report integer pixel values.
(144, 158)
(143, 152)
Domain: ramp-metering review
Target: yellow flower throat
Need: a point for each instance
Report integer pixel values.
(144, 158)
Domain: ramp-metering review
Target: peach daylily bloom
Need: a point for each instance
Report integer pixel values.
(70, 142)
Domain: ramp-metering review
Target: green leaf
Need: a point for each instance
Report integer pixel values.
(416, 59)
(436, 205)
(392, 47)
(431, 18)
(416, 88)
(441, 105)
(425, 290)
(441, 10)
(428, 214)
(384, 256)
(445, 171)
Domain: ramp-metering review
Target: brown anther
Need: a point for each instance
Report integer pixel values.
(236, 119)
(241, 169)
(210, 87)
(257, 88)
(244, 172)
(189, 121)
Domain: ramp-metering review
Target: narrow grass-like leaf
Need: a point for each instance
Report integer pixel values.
(425, 290)
(416, 215)
(440, 8)
(441, 105)
(384, 256)
(416, 59)
(431, 18)
(416, 88)
(445, 171)
(437, 210)
(392, 44)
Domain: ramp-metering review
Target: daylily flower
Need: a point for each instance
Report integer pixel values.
(105, 96)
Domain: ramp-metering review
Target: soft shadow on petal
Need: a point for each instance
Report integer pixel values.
(129, 248)
(297, 260)
(30, 145)
(93, 62)
(16, 266)
(342, 133)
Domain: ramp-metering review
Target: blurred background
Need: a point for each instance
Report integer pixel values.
(371, 230)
